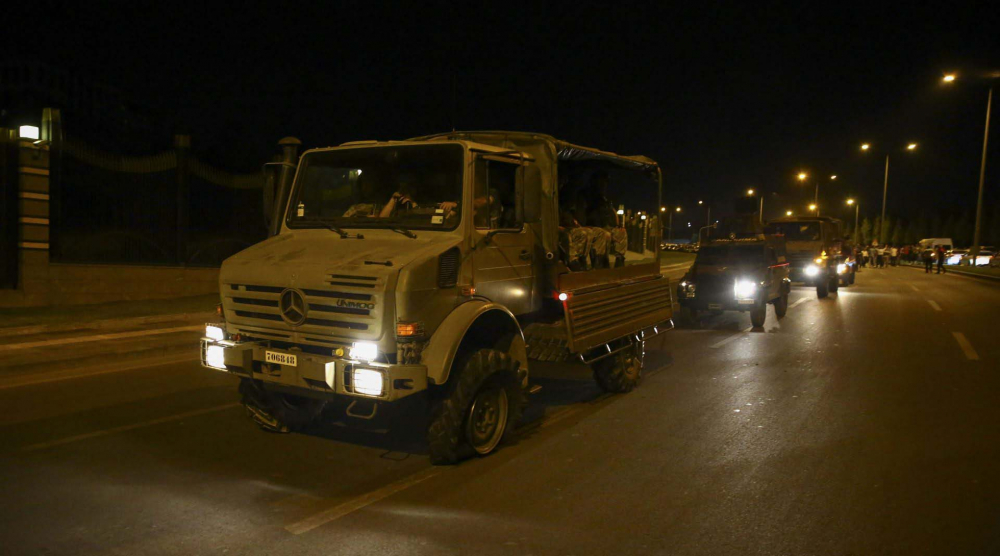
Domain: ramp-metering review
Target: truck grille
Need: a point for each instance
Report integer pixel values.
(342, 304)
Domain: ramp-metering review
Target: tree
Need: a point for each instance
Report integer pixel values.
(897, 233)
(866, 231)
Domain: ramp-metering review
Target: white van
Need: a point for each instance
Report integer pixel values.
(930, 242)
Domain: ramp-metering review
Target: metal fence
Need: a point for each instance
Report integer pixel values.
(164, 209)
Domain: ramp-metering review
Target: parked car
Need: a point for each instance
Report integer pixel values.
(955, 256)
(983, 259)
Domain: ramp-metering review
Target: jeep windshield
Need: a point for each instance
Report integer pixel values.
(730, 255)
(396, 187)
(796, 231)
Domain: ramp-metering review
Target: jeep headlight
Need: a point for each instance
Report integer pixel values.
(215, 356)
(841, 268)
(745, 289)
(819, 260)
(812, 270)
(364, 351)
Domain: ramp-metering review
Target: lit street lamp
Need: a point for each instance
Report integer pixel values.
(670, 226)
(788, 213)
(856, 206)
(708, 218)
(885, 186)
(974, 252)
(802, 178)
(814, 207)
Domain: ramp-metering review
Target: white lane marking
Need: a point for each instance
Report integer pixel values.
(736, 336)
(340, 510)
(103, 369)
(916, 289)
(966, 345)
(113, 430)
(98, 337)
(799, 302)
(934, 304)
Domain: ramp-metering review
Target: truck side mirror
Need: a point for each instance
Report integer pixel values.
(532, 193)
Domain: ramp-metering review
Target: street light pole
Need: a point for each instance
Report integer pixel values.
(982, 176)
(885, 192)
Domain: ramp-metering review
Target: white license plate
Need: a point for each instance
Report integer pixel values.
(286, 359)
(714, 306)
(745, 301)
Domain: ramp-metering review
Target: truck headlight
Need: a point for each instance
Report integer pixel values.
(215, 356)
(744, 289)
(819, 260)
(215, 332)
(841, 268)
(368, 382)
(364, 351)
(812, 270)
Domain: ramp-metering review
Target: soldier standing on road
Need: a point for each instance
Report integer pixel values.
(940, 260)
(928, 256)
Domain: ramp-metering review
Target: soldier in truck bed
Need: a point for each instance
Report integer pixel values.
(601, 213)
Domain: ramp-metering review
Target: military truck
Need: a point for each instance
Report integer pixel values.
(818, 252)
(740, 274)
(438, 266)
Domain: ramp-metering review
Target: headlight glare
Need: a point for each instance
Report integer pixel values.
(841, 268)
(744, 289)
(215, 356)
(368, 382)
(812, 270)
(364, 351)
(214, 332)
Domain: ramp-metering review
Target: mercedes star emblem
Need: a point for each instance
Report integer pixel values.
(293, 307)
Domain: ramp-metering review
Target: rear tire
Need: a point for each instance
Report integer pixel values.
(621, 372)
(477, 410)
(276, 412)
(758, 316)
(851, 279)
(781, 306)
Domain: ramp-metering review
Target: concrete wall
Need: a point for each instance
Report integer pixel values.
(43, 283)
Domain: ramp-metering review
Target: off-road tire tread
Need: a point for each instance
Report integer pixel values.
(781, 306)
(615, 382)
(758, 317)
(445, 441)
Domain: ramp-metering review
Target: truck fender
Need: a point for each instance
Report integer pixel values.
(474, 315)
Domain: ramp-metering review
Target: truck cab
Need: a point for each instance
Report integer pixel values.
(819, 254)
(435, 265)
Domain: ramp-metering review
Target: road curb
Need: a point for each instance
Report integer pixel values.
(958, 272)
(104, 324)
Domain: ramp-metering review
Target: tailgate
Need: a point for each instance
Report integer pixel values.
(597, 316)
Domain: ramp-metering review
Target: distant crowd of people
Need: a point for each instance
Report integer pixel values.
(880, 256)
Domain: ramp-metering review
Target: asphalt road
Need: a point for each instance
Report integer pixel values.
(865, 423)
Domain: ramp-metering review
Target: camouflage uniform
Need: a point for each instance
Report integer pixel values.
(580, 241)
(362, 209)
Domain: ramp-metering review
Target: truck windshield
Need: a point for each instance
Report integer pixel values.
(730, 255)
(380, 187)
(797, 231)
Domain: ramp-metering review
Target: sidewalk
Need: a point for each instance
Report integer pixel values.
(121, 314)
(980, 272)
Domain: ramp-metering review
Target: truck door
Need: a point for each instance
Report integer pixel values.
(502, 264)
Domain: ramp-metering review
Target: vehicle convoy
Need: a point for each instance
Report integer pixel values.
(818, 253)
(442, 265)
(737, 275)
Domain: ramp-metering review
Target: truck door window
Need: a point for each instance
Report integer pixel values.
(495, 195)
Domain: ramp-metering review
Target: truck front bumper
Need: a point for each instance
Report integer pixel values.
(325, 376)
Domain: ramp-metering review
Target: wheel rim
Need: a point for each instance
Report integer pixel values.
(487, 419)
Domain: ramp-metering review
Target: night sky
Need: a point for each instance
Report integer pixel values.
(725, 98)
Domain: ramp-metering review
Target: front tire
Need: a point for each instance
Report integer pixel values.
(834, 284)
(477, 410)
(781, 306)
(758, 316)
(276, 412)
(821, 289)
(851, 279)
